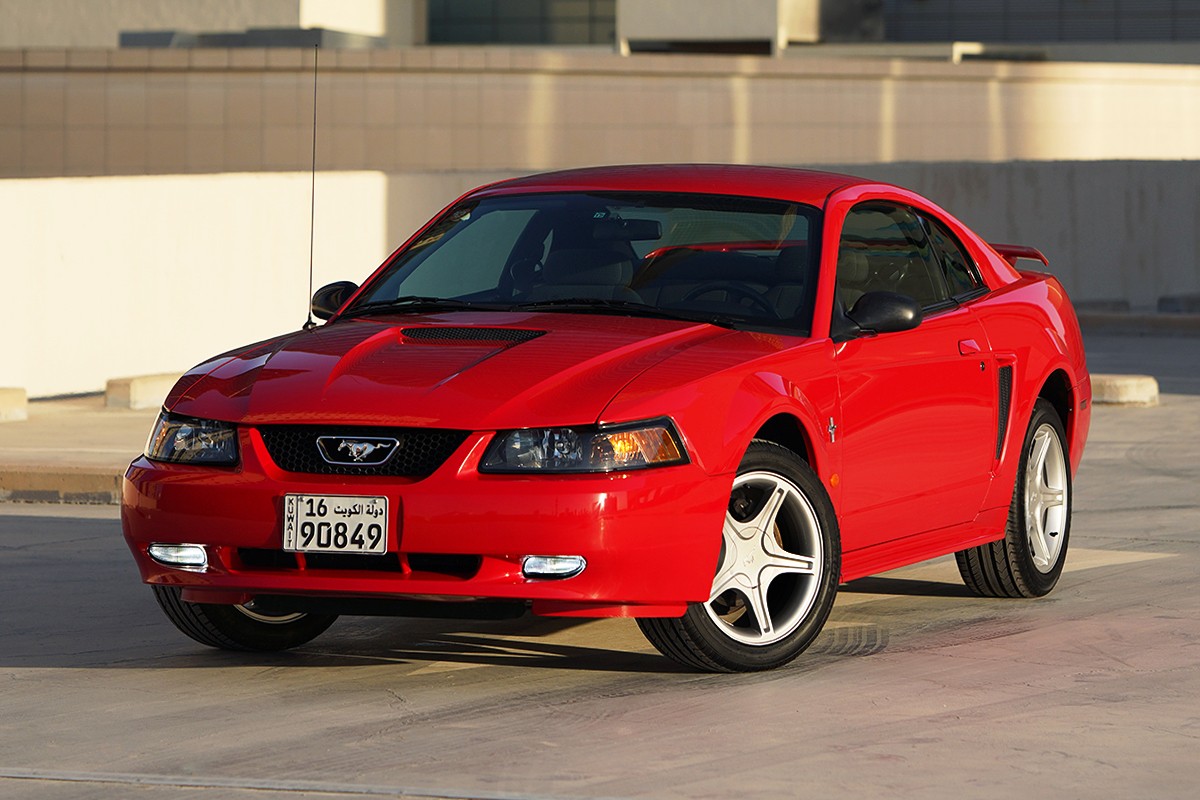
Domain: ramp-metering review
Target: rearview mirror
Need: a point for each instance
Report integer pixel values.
(328, 299)
(627, 230)
(885, 312)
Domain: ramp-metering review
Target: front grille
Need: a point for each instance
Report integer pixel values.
(506, 335)
(385, 562)
(452, 564)
(419, 453)
(257, 558)
(446, 565)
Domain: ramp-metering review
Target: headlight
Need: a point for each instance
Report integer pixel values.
(192, 441)
(585, 449)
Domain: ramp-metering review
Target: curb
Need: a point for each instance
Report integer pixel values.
(60, 485)
(140, 392)
(1173, 324)
(14, 405)
(1124, 390)
(92, 486)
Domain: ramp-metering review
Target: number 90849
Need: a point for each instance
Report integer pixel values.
(335, 524)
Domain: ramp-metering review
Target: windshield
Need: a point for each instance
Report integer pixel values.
(733, 261)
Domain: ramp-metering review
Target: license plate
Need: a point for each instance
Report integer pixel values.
(330, 523)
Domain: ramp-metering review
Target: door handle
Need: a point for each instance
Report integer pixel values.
(968, 347)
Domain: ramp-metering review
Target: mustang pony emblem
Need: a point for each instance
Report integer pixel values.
(360, 450)
(367, 450)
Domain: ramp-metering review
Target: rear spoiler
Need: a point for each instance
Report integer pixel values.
(1011, 252)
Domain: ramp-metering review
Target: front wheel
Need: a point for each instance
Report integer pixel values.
(1028, 561)
(239, 627)
(777, 575)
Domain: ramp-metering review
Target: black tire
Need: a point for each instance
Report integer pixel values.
(781, 537)
(1028, 561)
(232, 627)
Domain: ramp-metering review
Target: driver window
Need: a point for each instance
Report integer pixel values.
(884, 248)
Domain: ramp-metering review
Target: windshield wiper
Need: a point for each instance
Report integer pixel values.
(415, 303)
(601, 305)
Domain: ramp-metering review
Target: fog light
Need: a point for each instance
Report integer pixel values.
(183, 556)
(552, 566)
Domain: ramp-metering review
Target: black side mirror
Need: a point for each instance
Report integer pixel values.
(885, 312)
(328, 299)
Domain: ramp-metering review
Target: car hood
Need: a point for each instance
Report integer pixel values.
(463, 370)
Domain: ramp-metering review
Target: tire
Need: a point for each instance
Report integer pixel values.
(1028, 561)
(232, 627)
(777, 575)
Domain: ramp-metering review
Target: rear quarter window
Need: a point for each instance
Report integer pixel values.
(962, 278)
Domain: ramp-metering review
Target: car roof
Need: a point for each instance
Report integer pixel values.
(782, 183)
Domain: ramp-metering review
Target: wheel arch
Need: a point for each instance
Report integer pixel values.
(786, 430)
(1056, 389)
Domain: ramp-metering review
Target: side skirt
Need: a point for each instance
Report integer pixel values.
(987, 527)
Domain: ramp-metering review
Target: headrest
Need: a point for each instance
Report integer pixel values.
(791, 265)
(852, 266)
(587, 268)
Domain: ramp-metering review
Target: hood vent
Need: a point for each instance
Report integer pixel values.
(505, 335)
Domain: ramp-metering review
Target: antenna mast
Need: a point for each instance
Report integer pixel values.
(312, 204)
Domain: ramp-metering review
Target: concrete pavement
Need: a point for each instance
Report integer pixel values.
(915, 689)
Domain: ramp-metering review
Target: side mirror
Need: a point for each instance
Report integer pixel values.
(885, 312)
(328, 299)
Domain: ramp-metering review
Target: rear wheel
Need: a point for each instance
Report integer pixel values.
(776, 578)
(1028, 561)
(240, 627)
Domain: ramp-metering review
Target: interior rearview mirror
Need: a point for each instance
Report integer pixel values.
(627, 230)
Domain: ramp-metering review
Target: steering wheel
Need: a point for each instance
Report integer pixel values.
(523, 274)
(895, 274)
(737, 289)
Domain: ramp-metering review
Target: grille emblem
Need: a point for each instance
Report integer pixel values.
(366, 450)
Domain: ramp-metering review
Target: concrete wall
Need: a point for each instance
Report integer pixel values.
(115, 276)
(99, 23)
(156, 202)
(108, 277)
(123, 112)
(1114, 231)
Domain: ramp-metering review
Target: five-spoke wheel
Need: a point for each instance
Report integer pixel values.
(776, 577)
(1027, 562)
(770, 560)
(1046, 484)
(241, 627)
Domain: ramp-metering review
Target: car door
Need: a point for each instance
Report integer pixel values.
(917, 407)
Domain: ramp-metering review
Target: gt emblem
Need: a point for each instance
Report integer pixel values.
(365, 450)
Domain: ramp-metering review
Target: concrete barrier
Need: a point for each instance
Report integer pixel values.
(143, 391)
(1180, 304)
(1138, 324)
(1126, 390)
(14, 405)
(59, 485)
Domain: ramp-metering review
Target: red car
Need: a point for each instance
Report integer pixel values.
(701, 396)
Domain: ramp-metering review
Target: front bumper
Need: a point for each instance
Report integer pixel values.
(651, 538)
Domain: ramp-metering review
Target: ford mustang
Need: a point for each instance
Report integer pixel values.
(700, 396)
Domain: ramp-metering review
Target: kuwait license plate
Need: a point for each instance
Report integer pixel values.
(330, 523)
